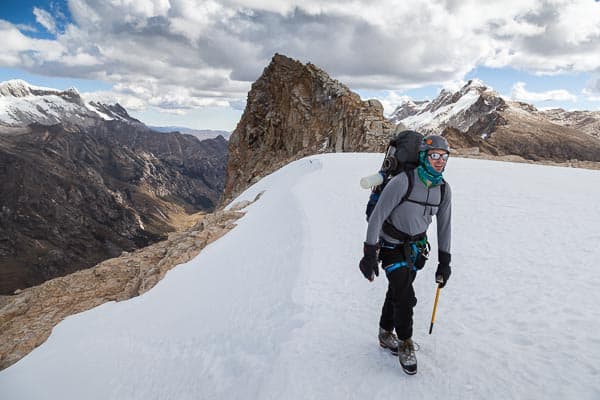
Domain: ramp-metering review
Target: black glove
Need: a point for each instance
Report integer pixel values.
(442, 274)
(368, 264)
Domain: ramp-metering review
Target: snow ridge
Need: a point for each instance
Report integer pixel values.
(277, 309)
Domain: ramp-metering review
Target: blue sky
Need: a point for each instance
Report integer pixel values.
(191, 63)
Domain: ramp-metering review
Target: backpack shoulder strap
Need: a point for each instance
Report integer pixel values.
(442, 190)
(409, 189)
(411, 182)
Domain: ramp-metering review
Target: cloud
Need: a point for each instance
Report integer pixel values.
(195, 53)
(45, 19)
(26, 28)
(520, 93)
(592, 89)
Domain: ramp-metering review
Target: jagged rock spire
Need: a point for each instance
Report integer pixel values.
(294, 110)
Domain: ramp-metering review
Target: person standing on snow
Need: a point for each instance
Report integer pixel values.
(396, 236)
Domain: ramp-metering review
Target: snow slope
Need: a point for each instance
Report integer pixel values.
(277, 308)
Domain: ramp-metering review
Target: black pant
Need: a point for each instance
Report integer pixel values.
(397, 311)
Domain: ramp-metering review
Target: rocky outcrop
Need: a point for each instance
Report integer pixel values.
(27, 318)
(294, 110)
(72, 196)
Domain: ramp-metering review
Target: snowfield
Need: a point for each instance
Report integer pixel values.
(277, 308)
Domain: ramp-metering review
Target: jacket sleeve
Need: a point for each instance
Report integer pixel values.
(444, 219)
(388, 200)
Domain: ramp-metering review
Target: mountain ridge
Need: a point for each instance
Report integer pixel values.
(22, 104)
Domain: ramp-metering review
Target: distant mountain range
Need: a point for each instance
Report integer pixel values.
(81, 182)
(201, 134)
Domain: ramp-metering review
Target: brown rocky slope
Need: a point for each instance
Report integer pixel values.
(72, 196)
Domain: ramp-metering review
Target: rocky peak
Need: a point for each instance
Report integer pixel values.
(112, 112)
(406, 109)
(294, 110)
(20, 88)
(15, 88)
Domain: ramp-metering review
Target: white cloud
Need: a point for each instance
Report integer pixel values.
(592, 89)
(192, 53)
(26, 28)
(19, 50)
(520, 93)
(45, 19)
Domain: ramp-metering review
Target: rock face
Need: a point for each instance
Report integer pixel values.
(476, 119)
(294, 110)
(72, 195)
(27, 318)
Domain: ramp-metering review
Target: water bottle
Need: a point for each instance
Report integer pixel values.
(368, 182)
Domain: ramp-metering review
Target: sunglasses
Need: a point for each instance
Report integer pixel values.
(437, 156)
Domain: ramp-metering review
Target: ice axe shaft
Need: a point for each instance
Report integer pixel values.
(435, 303)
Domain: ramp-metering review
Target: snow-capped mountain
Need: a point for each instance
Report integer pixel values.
(476, 118)
(22, 104)
(462, 110)
(407, 109)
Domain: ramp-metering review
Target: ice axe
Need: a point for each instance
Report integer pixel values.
(437, 297)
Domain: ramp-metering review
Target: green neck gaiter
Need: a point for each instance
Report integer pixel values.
(427, 174)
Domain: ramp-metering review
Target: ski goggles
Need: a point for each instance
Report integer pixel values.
(437, 156)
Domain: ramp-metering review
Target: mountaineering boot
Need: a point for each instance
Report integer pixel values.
(406, 355)
(388, 340)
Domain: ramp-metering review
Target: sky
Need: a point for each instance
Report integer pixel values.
(192, 62)
(295, 319)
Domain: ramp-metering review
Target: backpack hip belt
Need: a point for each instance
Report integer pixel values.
(390, 230)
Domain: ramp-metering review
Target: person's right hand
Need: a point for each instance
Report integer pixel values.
(369, 266)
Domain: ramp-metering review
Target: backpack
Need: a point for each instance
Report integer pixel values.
(402, 155)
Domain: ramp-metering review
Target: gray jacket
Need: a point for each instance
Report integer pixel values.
(410, 217)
